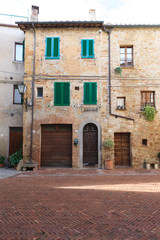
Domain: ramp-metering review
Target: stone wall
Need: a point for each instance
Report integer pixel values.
(72, 68)
(11, 73)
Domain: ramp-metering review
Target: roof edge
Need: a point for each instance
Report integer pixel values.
(130, 25)
(28, 25)
(8, 25)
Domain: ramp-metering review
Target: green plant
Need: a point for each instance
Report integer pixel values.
(2, 159)
(108, 143)
(16, 157)
(118, 70)
(158, 155)
(149, 113)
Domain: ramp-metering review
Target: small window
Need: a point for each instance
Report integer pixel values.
(17, 98)
(52, 47)
(40, 92)
(147, 99)
(121, 103)
(90, 93)
(61, 94)
(126, 56)
(19, 52)
(87, 48)
(144, 142)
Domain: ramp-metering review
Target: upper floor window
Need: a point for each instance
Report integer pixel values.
(121, 103)
(52, 47)
(17, 98)
(40, 92)
(90, 93)
(126, 56)
(61, 94)
(87, 48)
(147, 99)
(19, 52)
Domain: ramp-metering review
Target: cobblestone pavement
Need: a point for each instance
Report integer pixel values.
(80, 204)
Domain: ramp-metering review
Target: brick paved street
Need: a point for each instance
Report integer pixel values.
(80, 204)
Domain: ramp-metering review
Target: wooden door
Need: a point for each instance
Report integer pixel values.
(56, 145)
(15, 139)
(90, 144)
(122, 149)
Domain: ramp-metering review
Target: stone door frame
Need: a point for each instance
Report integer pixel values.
(80, 136)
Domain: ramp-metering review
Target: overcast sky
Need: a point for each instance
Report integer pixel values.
(113, 11)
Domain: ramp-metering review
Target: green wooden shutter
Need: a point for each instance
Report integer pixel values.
(23, 50)
(94, 93)
(86, 93)
(84, 48)
(56, 48)
(90, 93)
(66, 94)
(61, 94)
(48, 47)
(91, 48)
(57, 94)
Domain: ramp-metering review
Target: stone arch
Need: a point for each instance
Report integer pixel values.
(80, 136)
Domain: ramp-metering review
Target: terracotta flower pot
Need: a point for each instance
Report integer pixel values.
(1, 165)
(109, 164)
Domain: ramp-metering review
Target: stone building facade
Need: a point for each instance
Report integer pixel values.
(11, 74)
(76, 94)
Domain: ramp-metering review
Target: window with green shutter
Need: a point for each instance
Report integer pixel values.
(87, 48)
(52, 47)
(23, 49)
(61, 94)
(90, 93)
(18, 52)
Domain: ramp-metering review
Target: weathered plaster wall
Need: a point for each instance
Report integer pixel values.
(11, 73)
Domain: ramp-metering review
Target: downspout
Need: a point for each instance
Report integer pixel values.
(33, 81)
(109, 74)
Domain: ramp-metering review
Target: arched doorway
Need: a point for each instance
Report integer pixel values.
(90, 145)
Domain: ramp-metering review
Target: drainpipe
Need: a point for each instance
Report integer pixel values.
(109, 73)
(33, 81)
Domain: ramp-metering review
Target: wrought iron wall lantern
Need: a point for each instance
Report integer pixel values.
(21, 89)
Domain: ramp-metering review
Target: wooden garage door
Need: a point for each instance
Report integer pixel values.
(122, 149)
(56, 145)
(15, 139)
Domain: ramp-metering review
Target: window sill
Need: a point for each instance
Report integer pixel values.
(143, 108)
(21, 62)
(87, 57)
(18, 104)
(52, 58)
(56, 105)
(121, 109)
(90, 104)
(127, 67)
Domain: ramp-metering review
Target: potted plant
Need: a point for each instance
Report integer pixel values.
(15, 158)
(149, 113)
(118, 70)
(2, 159)
(108, 162)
